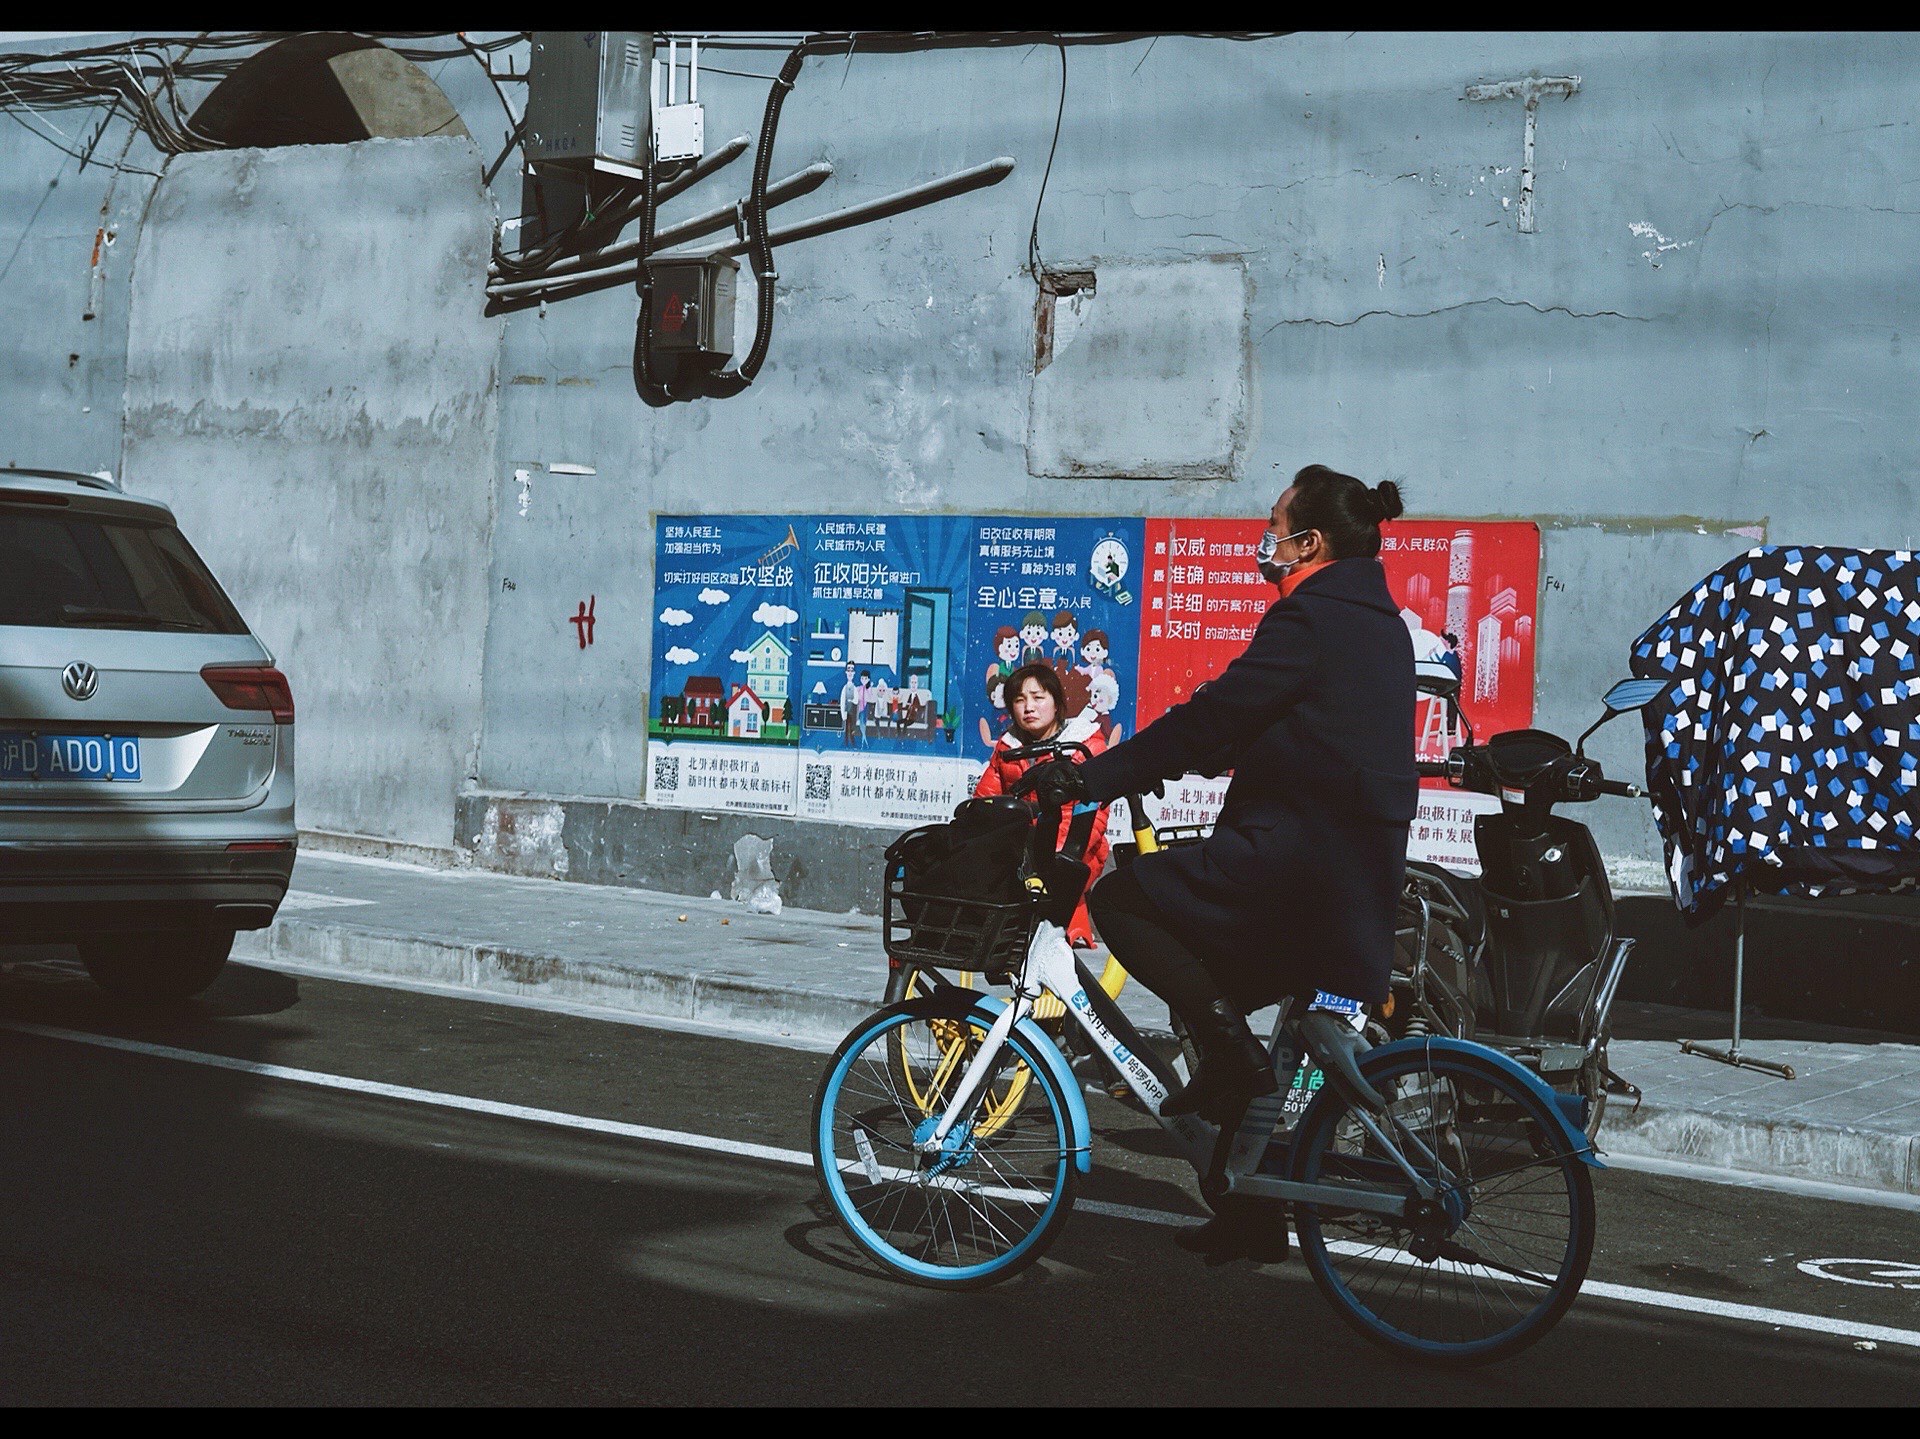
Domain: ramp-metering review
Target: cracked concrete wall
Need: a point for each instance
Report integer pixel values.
(1706, 334)
(312, 387)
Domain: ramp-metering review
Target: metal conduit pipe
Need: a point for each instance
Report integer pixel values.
(992, 172)
(719, 159)
(799, 183)
(528, 292)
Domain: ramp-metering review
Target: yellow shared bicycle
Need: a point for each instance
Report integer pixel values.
(958, 1041)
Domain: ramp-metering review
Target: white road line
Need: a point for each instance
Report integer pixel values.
(1752, 1313)
(422, 1096)
(1594, 1288)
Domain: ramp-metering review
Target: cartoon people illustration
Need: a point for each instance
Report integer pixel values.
(990, 730)
(1095, 651)
(915, 712)
(1077, 691)
(885, 703)
(1033, 633)
(1006, 651)
(865, 695)
(1066, 640)
(1105, 692)
(852, 702)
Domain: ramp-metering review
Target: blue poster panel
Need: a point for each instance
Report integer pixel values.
(880, 701)
(721, 723)
(1060, 591)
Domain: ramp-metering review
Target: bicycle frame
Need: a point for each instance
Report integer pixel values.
(1050, 965)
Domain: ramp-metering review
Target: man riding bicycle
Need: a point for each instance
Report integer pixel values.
(1295, 889)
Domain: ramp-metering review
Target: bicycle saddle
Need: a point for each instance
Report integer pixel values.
(1338, 1048)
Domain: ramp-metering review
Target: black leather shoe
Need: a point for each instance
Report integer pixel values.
(1256, 1234)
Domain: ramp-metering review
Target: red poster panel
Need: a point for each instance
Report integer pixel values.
(1201, 598)
(1468, 592)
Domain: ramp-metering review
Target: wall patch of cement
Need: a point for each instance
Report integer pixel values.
(1149, 380)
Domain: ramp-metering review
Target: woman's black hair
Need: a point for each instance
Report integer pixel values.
(1048, 679)
(1346, 512)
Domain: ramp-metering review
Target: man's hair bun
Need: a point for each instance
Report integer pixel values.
(1386, 499)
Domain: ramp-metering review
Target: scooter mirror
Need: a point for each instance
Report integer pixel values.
(1631, 695)
(1431, 677)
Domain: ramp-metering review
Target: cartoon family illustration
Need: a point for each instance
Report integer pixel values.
(1088, 683)
(869, 706)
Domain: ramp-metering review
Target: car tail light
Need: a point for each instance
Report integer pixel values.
(251, 687)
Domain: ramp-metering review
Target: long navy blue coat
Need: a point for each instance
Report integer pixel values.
(1298, 884)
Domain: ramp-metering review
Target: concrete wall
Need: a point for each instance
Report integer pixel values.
(63, 375)
(1702, 343)
(311, 385)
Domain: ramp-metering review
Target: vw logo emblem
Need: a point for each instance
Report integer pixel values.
(80, 680)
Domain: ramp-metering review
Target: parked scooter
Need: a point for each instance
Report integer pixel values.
(1525, 958)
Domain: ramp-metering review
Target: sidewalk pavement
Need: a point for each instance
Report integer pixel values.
(1851, 1117)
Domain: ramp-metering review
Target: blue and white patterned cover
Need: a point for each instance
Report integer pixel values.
(1785, 755)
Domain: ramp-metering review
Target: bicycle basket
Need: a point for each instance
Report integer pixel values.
(941, 931)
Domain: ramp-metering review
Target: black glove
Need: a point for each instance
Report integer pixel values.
(1058, 783)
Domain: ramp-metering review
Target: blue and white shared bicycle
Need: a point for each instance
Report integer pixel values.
(1441, 1194)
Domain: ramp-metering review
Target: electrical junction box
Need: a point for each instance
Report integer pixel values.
(589, 100)
(693, 307)
(679, 129)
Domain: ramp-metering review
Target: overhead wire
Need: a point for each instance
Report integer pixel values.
(1033, 236)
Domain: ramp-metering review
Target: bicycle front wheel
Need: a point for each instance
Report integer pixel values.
(992, 1200)
(1491, 1263)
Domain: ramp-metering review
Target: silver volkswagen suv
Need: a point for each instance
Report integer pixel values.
(146, 742)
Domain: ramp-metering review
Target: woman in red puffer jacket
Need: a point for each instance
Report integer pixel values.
(1038, 703)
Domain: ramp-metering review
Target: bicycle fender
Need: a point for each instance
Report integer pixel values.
(1556, 1104)
(988, 1007)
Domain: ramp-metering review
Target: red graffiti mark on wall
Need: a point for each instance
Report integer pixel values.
(583, 622)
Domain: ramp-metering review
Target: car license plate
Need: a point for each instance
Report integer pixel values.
(68, 756)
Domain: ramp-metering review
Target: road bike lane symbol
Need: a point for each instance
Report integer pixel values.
(1868, 1273)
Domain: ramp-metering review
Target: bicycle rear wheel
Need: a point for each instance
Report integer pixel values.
(993, 1199)
(1492, 1264)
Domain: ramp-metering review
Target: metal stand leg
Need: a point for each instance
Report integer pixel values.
(1731, 1054)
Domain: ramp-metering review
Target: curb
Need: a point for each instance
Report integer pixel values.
(1832, 1154)
(1790, 1148)
(488, 969)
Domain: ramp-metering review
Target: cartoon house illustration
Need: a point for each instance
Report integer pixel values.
(767, 659)
(745, 713)
(701, 697)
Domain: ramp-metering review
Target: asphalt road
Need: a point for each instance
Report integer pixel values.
(172, 1232)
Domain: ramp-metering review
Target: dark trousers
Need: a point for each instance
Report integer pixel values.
(1142, 939)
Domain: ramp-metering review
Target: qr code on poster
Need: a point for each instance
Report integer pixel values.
(819, 782)
(666, 772)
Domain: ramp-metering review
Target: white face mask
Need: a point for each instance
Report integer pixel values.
(1268, 547)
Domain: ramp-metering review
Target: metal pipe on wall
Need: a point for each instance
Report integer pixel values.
(680, 183)
(521, 293)
(800, 182)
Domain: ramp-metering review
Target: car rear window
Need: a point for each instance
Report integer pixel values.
(90, 571)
